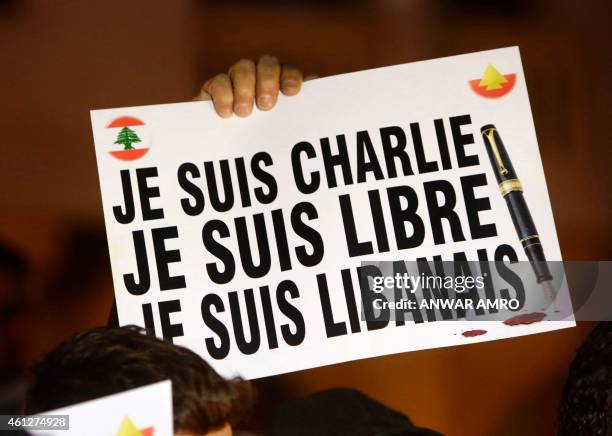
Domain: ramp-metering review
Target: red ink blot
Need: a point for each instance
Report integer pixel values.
(526, 318)
(472, 333)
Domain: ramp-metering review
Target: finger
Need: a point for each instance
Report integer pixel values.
(220, 90)
(242, 75)
(268, 77)
(202, 96)
(290, 80)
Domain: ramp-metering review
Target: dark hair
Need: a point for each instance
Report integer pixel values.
(14, 269)
(586, 403)
(13, 260)
(342, 412)
(107, 360)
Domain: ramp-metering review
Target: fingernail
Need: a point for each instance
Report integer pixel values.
(225, 112)
(264, 101)
(242, 109)
(292, 84)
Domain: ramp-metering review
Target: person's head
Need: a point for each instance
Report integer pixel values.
(586, 403)
(107, 360)
(13, 271)
(342, 412)
(13, 274)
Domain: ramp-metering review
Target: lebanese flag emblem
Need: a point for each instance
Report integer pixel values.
(493, 84)
(127, 428)
(130, 138)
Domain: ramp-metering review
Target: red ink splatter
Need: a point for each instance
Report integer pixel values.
(525, 318)
(472, 333)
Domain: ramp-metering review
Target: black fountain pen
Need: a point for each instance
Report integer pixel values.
(512, 191)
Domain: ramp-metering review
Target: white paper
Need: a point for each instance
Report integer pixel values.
(345, 104)
(146, 410)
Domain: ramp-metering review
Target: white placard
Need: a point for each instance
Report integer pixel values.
(144, 411)
(274, 160)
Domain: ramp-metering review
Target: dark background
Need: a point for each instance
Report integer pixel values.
(60, 59)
